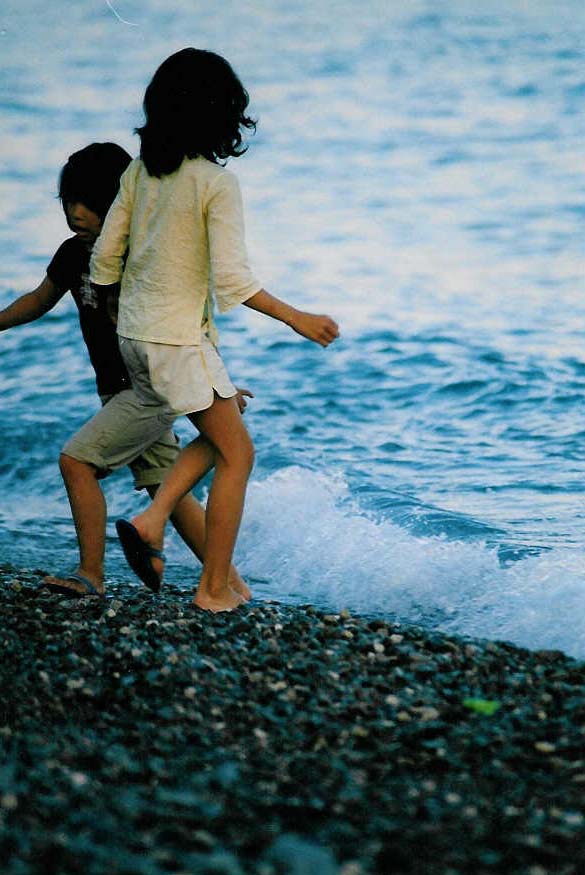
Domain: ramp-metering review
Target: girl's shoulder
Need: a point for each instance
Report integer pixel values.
(205, 169)
(134, 167)
(211, 178)
(132, 172)
(199, 168)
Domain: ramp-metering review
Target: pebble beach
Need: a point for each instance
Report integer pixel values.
(141, 736)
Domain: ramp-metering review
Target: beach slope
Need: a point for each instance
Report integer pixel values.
(141, 736)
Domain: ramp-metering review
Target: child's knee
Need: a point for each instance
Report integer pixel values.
(67, 465)
(242, 455)
(71, 468)
(249, 454)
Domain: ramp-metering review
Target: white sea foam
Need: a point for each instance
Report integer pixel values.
(306, 541)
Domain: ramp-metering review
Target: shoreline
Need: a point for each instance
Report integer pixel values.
(140, 736)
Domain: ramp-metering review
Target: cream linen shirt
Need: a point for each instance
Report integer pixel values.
(185, 238)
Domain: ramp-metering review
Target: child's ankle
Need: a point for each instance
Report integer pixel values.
(215, 588)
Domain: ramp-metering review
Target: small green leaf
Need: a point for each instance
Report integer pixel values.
(482, 706)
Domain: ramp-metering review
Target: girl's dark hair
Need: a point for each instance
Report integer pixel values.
(194, 106)
(92, 176)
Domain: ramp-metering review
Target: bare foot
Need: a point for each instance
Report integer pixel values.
(229, 600)
(237, 583)
(79, 581)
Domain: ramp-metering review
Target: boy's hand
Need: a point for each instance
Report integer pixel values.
(240, 400)
(320, 329)
(112, 302)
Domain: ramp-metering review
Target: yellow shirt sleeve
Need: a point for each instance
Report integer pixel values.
(106, 262)
(232, 279)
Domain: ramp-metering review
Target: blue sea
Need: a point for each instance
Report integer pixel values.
(418, 174)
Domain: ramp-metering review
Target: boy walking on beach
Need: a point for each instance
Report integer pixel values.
(133, 434)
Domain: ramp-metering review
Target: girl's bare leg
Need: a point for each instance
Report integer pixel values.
(192, 463)
(223, 427)
(222, 424)
(188, 518)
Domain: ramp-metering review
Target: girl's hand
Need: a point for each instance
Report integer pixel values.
(240, 400)
(320, 329)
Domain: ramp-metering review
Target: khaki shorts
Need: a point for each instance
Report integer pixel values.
(126, 432)
(181, 379)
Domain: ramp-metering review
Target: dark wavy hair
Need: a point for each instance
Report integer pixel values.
(92, 176)
(195, 105)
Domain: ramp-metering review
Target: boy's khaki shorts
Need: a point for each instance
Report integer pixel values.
(126, 432)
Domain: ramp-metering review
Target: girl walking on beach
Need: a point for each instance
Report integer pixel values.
(179, 215)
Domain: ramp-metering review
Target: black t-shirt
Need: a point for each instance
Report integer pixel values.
(69, 269)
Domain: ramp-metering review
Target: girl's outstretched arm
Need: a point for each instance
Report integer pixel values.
(232, 279)
(320, 329)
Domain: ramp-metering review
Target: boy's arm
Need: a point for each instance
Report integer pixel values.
(240, 399)
(320, 329)
(32, 305)
(112, 300)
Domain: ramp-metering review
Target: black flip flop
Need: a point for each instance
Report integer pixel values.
(138, 554)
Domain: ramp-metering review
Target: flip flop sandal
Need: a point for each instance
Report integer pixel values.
(90, 588)
(138, 554)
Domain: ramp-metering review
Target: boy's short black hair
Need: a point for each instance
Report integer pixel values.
(92, 176)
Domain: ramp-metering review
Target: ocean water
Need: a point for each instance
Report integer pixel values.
(417, 174)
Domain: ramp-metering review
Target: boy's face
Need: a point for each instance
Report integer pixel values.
(86, 224)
